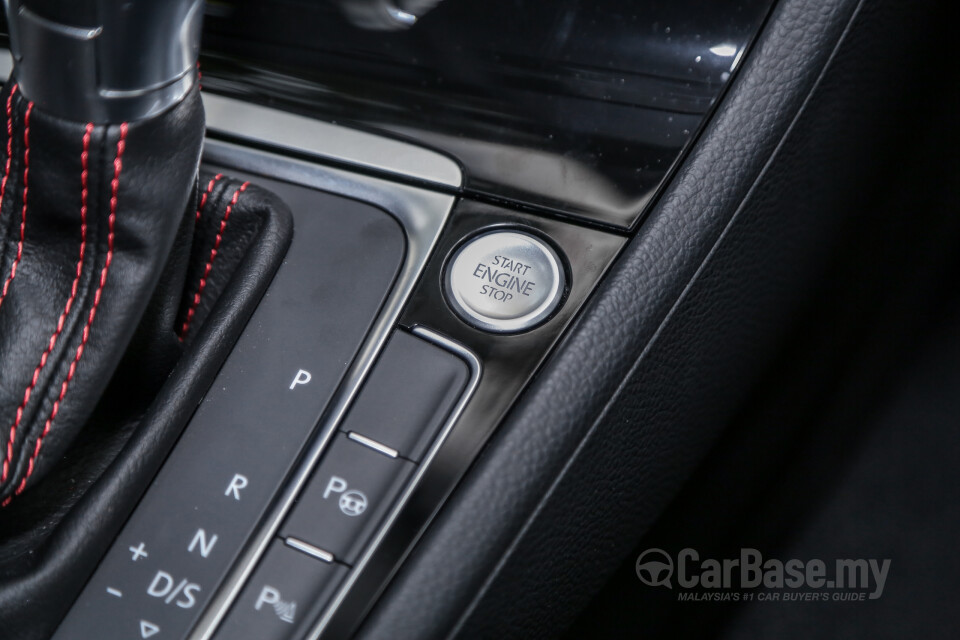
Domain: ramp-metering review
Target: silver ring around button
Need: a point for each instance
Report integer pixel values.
(505, 281)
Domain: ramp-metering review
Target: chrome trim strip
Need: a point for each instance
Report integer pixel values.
(476, 371)
(373, 444)
(422, 214)
(309, 549)
(329, 141)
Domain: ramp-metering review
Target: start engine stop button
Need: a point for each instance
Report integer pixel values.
(505, 281)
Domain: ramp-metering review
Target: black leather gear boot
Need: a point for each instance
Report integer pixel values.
(89, 214)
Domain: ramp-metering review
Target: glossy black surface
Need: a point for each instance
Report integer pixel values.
(579, 107)
(508, 362)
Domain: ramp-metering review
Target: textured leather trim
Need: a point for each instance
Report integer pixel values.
(124, 188)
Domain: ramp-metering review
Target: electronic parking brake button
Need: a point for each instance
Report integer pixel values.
(505, 281)
(346, 498)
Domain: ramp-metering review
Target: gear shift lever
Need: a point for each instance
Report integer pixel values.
(101, 127)
(105, 61)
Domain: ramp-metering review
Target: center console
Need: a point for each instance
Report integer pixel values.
(395, 335)
(444, 242)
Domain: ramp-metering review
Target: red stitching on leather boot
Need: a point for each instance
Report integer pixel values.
(6, 171)
(104, 272)
(213, 255)
(206, 194)
(23, 212)
(66, 309)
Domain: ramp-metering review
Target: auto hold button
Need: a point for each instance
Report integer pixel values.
(348, 496)
(504, 281)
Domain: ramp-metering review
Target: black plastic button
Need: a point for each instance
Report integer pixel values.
(347, 497)
(288, 589)
(409, 394)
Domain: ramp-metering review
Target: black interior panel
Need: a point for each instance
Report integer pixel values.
(683, 326)
(576, 108)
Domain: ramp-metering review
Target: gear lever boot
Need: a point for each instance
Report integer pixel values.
(89, 213)
(88, 217)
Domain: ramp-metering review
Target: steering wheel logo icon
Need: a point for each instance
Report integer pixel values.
(655, 568)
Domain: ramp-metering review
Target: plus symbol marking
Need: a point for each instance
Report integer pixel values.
(138, 552)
